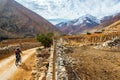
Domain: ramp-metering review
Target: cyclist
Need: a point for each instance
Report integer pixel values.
(18, 56)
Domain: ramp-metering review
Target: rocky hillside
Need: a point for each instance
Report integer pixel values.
(18, 21)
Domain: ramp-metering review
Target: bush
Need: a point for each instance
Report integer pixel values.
(3, 38)
(88, 33)
(45, 39)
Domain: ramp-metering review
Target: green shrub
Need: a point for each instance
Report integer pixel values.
(45, 39)
(88, 33)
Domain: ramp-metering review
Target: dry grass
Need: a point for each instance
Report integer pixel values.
(93, 39)
(16, 41)
(96, 64)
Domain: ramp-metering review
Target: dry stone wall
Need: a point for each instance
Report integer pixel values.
(61, 73)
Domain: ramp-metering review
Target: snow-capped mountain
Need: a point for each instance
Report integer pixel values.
(79, 25)
(87, 23)
(65, 23)
(88, 18)
(58, 20)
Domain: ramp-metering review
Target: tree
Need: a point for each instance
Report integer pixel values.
(50, 35)
(45, 39)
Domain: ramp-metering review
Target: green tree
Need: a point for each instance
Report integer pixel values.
(45, 39)
(50, 35)
(88, 33)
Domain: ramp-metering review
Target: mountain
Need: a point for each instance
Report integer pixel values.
(18, 21)
(87, 23)
(79, 25)
(107, 21)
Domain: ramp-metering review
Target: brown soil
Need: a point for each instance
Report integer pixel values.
(95, 64)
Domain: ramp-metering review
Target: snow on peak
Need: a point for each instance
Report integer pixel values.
(88, 18)
(65, 23)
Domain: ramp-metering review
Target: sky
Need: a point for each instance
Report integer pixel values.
(58, 10)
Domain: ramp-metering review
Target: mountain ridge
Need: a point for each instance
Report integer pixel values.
(87, 24)
(78, 25)
(16, 19)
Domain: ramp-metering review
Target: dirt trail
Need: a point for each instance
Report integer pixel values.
(8, 67)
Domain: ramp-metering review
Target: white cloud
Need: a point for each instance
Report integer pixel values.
(70, 9)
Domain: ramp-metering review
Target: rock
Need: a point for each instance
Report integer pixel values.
(34, 72)
(43, 69)
(45, 63)
(37, 59)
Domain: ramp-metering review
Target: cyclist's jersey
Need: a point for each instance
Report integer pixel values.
(17, 53)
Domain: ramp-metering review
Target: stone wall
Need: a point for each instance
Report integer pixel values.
(61, 73)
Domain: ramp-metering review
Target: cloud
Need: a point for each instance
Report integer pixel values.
(70, 9)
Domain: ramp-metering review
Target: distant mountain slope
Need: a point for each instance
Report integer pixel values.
(87, 23)
(106, 21)
(18, 21)
(115, 27)
(80, 25)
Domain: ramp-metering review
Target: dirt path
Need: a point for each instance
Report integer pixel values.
(8, 68)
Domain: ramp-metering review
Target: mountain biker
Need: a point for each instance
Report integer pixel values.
(18, 56)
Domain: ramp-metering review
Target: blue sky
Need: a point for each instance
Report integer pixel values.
(71, 9)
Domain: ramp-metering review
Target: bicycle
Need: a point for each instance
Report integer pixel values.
(18, 60)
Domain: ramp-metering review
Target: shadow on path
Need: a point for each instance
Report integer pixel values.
(25, 67)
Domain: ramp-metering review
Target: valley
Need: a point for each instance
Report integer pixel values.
(72, 62)
(82, 47)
